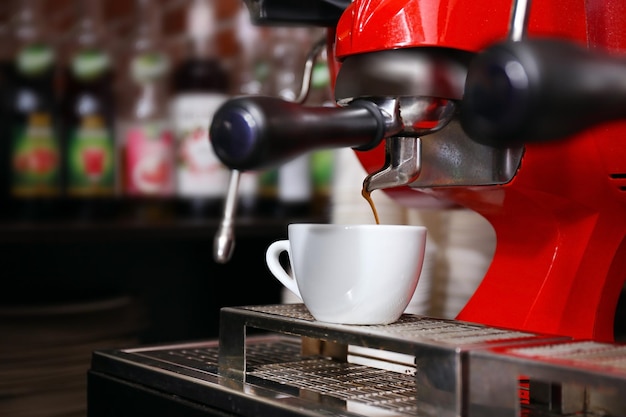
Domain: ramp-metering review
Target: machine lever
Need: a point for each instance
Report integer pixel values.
(539, 90)
(261, 132)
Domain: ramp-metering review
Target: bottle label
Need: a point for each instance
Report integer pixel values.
(268, 183)
(148, 160)
(199, 173)
(294, 180)
(91, 160)
(35, 158)
(35, 59)
(148, 67)
(322, 163)
(321, 75)
(89, 64)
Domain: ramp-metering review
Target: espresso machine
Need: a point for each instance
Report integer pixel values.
(511, 109)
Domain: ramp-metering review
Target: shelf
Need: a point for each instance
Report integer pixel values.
(59, 220)
(176, 228)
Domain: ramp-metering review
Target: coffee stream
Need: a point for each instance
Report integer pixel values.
(367, 195)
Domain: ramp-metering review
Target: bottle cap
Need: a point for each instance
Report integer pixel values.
(201, 19)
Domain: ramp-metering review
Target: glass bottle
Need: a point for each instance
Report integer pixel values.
(201, 83)
(5, 67)
(33, 148)
(250, 72)
(145, 136)
(90, 162)
(322, 161)
(258, 190)
(289, 47)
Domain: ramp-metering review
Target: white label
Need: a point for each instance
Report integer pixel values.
(294, 180)
(199, 173)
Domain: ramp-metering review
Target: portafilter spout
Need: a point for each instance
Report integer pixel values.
(402, 164)
(415, 118)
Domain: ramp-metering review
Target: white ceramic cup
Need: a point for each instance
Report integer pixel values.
(351, 273)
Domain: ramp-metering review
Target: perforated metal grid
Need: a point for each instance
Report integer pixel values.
(280, 362)
(581, 353)
(349, 382)
(413, 327)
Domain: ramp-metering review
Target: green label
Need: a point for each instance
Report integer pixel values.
(262, 71)
(321, 75)
(322, 163)
(149, 67)
(35, 158)
(90, 64)
(35, 59)
(91, 169)
(268, 182)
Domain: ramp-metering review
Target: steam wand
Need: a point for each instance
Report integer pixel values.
(224, 241)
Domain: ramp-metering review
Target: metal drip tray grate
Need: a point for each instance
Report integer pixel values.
(358, 384)
(277, 370)
(409, 327)
(202, 357)
(590, 354)
(432, 354)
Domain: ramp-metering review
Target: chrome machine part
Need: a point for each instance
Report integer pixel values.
(410, 72)
(224, 242)
(402, 164)
(309, 65)
(519, 20)
(427, 84)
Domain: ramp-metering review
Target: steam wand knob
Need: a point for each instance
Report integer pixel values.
(538, 90)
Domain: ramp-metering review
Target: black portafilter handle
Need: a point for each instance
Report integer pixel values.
(540, 90)
(256, 132)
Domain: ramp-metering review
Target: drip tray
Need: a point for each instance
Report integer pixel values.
(277, 360)
(280, 381)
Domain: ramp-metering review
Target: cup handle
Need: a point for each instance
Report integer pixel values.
(272, 258)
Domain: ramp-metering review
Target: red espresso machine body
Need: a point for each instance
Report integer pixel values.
(560, 222)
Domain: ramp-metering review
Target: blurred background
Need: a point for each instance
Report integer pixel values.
(106, 106)
(110, 195)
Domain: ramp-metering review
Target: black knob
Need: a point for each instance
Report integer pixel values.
(301, 12)
(258, 132)
(539, 90)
